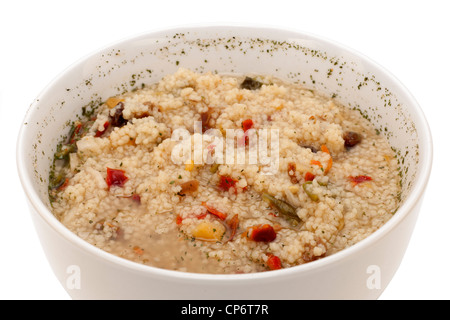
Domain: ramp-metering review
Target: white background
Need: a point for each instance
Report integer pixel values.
(39, 39)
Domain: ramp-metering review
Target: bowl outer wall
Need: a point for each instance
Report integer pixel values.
(353, 276)
(343, 275)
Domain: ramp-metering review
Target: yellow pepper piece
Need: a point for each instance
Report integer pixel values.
(112, 102)
(189, 166)
(209, 231)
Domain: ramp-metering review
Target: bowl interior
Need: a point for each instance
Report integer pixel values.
(302, 58)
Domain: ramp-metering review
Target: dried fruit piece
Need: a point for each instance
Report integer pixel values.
(351, 139)
(251, 84)
(189, 187)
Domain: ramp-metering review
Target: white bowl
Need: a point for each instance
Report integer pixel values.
(360, 272)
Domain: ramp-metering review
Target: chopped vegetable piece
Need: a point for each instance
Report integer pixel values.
(138, 250)
(213, 211)
(75, 132)
(63, 151)
(251, 84)
(100, 133)
(233, 224)
(136, 198)
(283, 207)
(202, 216)
(214, 168)
(324, 148)
(292, 167)
(115, 177)
(307, 187)
(179, 220)
(208, 230)
(317, 163)
(189, 166)
(273, 262)
(112, 102)
(226, 182)
(309, 176)
(189, 187)
(72, 131)
(261, 233)
(247, 124)
(57, 181)
(359, 179)
(64, 185)
(351, 139)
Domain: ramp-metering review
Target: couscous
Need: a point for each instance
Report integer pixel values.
(213, 173)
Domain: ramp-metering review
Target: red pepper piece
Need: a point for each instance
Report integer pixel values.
(64, 185)
(74, 137)
(309, 176)
(234, 222)
(247, 125)
(262, 233)
(217, 213)
(100, 133)
(226, 182)
(202, 216)
(115, 177)
(273, 262)
(359, 179)
(179, 219)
